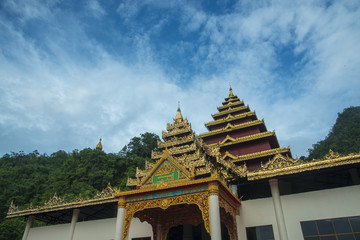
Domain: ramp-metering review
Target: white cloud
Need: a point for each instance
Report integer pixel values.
(68, 90)
(95, 8)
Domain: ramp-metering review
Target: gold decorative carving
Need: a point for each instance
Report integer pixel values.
(57, 203)
(256, 154)
(12, 208)
(175, 150)
(279, 161)
(121, 202)
(55, 200)
(230, 117)
(216, 161)
(176, 132)
(175, 141)
(213, 188)
(281, 165)
(199, 199)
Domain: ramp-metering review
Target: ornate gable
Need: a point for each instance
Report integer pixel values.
(165, 170)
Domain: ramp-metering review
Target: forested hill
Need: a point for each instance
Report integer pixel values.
(34, 178)
(344, 136)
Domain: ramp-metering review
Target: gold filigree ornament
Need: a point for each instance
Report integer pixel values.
(279, 161)
(199, 199)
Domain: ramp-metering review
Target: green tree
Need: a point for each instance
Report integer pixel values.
(34, 178)
(343, 137)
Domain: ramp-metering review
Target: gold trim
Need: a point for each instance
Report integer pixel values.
(176, 141)
(230, 104)
(242, 139)
(175, 150)
(213, 188)
(256, 154)
(281, 165)
(232, 110)
(57, 203)
(230, 118)
(165, 156)
(200, 199)
(176, 132)
(236, 127)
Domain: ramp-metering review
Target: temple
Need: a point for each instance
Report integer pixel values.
(232, 182)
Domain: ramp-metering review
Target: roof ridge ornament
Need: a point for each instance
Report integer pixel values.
(178, 113)
(99, 145)
(231, 94)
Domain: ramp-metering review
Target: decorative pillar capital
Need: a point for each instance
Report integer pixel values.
(121, 202)
(273, 181)
(213, 188)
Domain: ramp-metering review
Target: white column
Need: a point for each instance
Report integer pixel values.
(74, 220)
(274, 186)
(234, 189)
(29, 223)
(187, 232)
(215, 226)
(120, 219)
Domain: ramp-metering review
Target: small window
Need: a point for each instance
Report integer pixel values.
(347, 228)
(260, 233)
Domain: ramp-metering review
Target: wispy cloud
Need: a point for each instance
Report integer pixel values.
(72, 73)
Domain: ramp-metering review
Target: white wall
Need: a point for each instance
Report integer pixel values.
(331, 203)
(139, 229)
(90, 230)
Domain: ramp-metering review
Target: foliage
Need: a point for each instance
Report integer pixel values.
(34, 178)
(343, 137)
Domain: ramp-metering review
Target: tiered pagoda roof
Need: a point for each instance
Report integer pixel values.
(182, 144)
(241, 137)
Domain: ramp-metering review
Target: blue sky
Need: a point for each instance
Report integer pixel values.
(74, 71)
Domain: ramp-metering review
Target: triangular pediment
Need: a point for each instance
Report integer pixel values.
(228, 126)
(228, 139)
(166, 169)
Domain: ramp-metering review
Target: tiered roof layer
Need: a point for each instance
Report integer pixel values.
(181, 143)
(240, 136)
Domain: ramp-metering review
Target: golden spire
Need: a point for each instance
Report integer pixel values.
(231, 93)
(178, 114)
(99, 145)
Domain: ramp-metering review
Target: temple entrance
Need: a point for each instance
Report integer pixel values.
(189, 232)
(176, 222)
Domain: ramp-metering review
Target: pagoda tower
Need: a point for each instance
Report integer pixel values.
(241, 137)
(182, 144)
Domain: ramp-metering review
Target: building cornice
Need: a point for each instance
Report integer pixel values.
(283, 165)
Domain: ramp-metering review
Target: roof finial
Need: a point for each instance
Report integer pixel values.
(231, 92)
(99, 145)
(178, 114)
